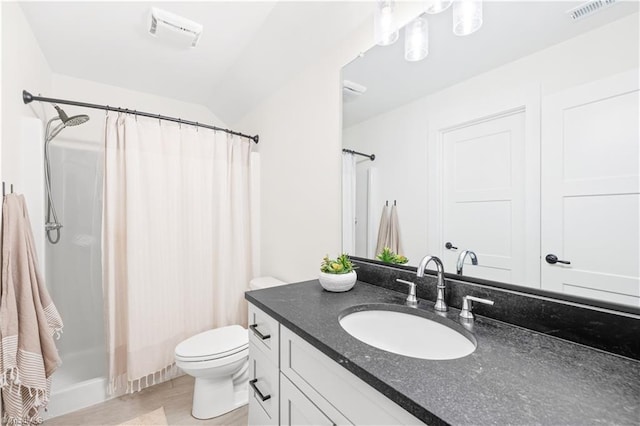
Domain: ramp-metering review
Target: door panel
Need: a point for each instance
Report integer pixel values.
(484, 197)
(590, 190)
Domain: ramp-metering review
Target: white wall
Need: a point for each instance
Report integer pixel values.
(300, 147)
(400, 137)
(23, 67)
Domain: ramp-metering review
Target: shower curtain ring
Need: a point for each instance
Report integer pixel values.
(135, 114)
(180, 123)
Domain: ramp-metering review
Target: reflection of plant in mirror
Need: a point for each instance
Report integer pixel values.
(387, 256)
(341, 265)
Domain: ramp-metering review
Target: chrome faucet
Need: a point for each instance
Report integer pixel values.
(440, 303)
(462, 256)
(412, 300)
(467, 305)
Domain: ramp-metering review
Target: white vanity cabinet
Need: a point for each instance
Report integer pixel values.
(304, 386)
(264, 387)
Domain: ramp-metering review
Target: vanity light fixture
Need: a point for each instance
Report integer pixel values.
(416, 39)
(467, 16)
(437, 6)
(385, 26)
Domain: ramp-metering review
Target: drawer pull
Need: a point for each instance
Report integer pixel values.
(254, 328)
(252, 383)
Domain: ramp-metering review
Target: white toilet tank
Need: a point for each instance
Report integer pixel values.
(264, 282)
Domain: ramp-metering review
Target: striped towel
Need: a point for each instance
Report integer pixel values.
(28, 321)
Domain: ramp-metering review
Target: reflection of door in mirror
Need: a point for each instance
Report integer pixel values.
(590, 190)
(484, 196)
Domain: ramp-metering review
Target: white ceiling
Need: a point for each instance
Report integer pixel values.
(511, 30)
(247, 49)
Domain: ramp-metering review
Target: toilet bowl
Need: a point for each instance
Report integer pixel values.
(219, 361)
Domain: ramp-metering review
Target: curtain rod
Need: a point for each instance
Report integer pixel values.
(371, 157)
(28, 98)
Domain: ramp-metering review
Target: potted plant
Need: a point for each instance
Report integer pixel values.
(387, 256)
(337, 274)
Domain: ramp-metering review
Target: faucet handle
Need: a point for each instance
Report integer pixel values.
(411, 298)
(467, 305)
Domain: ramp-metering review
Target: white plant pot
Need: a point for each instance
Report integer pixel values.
(338, 282)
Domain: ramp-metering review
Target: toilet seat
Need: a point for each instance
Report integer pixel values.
(213, 344)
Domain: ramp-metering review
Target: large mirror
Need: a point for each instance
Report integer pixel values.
(516, 145)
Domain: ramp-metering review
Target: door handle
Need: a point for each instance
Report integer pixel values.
(254, 328)
(450, 246)
(553, 259)
(252, 383)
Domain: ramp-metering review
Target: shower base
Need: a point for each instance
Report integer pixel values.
(80, 382)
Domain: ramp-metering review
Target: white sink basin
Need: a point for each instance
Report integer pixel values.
(407, 334)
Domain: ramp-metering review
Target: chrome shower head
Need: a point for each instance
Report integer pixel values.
(71, 121)
(77, 120)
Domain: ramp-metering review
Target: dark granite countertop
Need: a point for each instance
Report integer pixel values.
(515, 376)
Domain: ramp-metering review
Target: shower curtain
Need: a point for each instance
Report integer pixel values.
(176, 241)
(348, 203)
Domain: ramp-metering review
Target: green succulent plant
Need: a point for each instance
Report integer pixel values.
(387, 256)
(341, 265)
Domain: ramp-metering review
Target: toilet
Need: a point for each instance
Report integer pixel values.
(219, 361)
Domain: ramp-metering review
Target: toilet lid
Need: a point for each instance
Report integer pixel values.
(214, 343)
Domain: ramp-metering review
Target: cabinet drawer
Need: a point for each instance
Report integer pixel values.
(264, 332)
(297, 409)
(263, 388)
(322, 379)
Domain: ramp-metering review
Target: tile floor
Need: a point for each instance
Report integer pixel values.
(174, 395)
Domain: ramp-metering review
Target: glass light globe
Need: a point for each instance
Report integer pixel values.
(416, 39)
(385, 26)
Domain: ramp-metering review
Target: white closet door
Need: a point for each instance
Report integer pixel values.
(590, 184)
(484, 197)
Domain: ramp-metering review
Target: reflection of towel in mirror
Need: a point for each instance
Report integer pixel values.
(28, 321)
(383, 230)
(393, 240)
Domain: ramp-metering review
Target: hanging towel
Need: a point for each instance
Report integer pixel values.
(383, 230)
(28, 321)
(394, 242)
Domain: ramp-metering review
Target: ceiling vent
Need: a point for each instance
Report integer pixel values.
(173, 28)
(351, 91)
(589, 8)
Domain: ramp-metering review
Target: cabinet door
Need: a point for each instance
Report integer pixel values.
(263, 376)
(335, 391)
(264, 332)
(590, 190)
(297, 409)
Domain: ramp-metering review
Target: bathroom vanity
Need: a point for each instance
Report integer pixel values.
(306, 369)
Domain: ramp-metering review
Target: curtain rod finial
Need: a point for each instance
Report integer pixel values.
(26, 97)
(256, 138)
